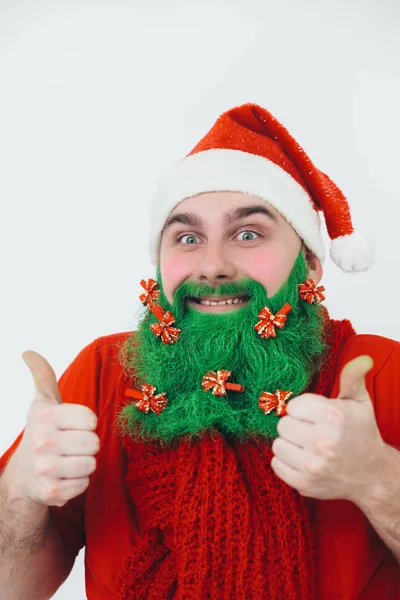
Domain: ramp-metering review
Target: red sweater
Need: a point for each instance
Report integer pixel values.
(351, 561)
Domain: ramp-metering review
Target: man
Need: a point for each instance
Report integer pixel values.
(247, 441)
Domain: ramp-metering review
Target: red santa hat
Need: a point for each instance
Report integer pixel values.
(248, 150)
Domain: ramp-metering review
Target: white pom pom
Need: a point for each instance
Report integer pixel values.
(353, 253)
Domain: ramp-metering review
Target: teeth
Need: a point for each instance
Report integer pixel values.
(222, 302)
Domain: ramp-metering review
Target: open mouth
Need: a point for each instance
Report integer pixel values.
(218, 301)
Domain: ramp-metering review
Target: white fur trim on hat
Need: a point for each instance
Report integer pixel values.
(236, 171)
(353, 253)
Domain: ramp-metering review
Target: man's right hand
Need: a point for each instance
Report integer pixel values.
(57, 452)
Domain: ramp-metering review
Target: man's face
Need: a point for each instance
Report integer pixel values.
(220, 244)
(222, 237)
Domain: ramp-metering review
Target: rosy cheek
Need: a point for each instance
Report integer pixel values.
(174, 270)
(269, 268)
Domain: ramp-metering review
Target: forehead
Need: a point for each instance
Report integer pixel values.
(213, 206)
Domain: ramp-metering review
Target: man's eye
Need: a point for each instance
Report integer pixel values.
(188, 239)
(247, 236)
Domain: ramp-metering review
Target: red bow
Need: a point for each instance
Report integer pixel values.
(152, 292)
(168, 334)
(266, 326)
(217, 381)
(269, 402)
(146, 400)
(310, 292)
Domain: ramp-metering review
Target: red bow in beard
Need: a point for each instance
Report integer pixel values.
(310, 292)
(269, 402)
(152, 292)
(268, 321)
(163, 329)
(217, 382)
(147, 400)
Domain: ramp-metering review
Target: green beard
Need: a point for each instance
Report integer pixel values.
(223, 341)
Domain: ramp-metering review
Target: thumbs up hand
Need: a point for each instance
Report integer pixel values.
(57, 452)
(331, 448)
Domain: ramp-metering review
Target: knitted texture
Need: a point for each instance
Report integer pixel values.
(215, 520)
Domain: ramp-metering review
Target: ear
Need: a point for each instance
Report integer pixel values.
(315, 270)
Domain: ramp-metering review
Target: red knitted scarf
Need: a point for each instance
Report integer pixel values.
(215, 520)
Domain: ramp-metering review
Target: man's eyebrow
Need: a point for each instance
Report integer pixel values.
(248, 211)
(186, 219)
(239, 213)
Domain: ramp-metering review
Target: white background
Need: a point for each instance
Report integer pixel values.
(97, 99)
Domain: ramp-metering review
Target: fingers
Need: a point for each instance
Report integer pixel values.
(298, 458)
(78, 443)
(74, 417)
(65, 467)
(57, 492)
(285, 472)
(310, 407)
(66, 443)
(321, 438)
(288, 453)
(295, 431)
(44, 377)
(352, 379)
(56, 455)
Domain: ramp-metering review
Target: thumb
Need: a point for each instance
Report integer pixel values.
(44, 377)
(352, 379)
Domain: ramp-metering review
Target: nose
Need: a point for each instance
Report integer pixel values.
(216, 266)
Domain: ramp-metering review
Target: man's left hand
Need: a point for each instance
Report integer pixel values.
(331, 448)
